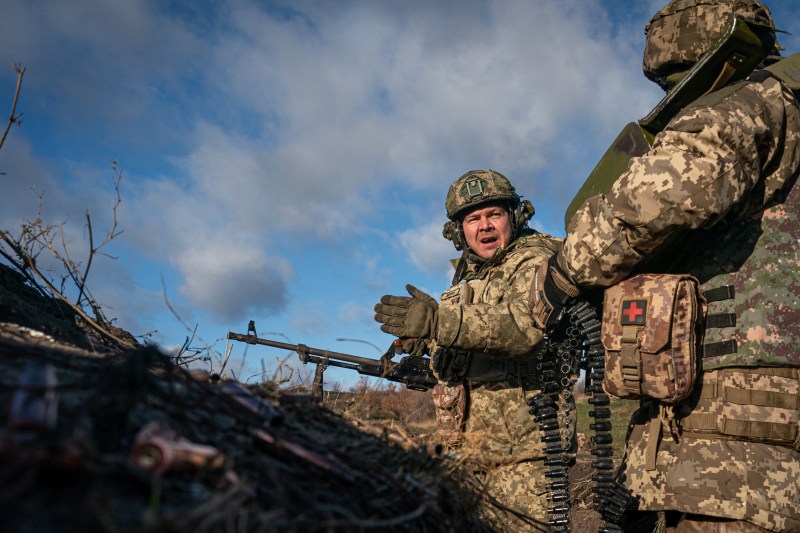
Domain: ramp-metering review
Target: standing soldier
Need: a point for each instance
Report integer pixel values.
(719, 181)
(485, 348)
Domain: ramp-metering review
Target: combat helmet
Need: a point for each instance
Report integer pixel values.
(678, 35)
(478, 187)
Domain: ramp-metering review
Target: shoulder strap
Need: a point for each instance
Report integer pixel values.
(788, 71)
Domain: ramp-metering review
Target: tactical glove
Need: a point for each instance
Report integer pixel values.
(551, 293)
(405, 317)
(417, 347)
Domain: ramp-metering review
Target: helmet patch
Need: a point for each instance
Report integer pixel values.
(474, 187)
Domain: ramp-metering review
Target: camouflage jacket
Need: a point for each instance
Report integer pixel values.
(714, 197)
(488, 311)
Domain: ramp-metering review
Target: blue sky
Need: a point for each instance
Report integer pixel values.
(287, 162)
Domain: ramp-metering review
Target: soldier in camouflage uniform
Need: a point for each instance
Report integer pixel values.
(720, 181)
(482, 338)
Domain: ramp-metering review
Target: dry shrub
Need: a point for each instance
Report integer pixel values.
(382, 401)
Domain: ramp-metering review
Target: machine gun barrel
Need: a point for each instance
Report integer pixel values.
(303, 350)
(412, 371)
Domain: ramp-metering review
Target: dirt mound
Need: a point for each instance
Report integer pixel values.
(97, 439)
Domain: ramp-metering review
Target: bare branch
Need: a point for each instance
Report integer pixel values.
(22, 252)
(94, 325)
(81, 283)
(13, 117)
(209, 348)
(18, 263)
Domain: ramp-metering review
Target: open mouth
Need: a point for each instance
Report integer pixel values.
(488, 240)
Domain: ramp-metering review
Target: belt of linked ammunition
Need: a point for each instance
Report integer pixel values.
(557, 372)
(544, 408)
(611, 498)
(582, 347)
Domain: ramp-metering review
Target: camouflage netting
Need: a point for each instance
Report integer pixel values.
(138, 444)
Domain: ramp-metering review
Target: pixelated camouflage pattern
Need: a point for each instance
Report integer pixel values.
(500, 428)
(478, 187)
(496, 319)
(449, 402)
(711, 191)
(735, 479)
(488, 313)
(723, 170)
(680, 33)
(521, 487)
(764, 248)
(668, 341)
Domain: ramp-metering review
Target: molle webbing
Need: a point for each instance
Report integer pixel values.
(729, 421)
(726, 292)
(720, 320)
(715, 349)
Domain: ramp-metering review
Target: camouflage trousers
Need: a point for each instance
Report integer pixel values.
(501, 440)
(521, 493)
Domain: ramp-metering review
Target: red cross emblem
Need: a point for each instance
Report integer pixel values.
(634, 313)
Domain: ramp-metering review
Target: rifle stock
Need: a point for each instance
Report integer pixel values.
(412, 371)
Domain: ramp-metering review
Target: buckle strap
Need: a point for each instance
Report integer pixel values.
(726, 292)
(631, 359)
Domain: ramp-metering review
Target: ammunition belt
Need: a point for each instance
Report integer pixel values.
(551, 409)
(544, 408)
(611, 498)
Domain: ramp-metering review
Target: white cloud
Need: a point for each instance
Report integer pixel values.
(351, 313)
(426, 248)
(232, 281)
(254, 126)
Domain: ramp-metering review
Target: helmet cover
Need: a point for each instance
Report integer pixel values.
(678, 35)
(478, 187)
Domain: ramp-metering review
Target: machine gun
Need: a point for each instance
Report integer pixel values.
(412, 371)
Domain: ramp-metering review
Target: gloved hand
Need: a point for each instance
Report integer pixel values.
(417, 347)
(551, 293)
(403, 317)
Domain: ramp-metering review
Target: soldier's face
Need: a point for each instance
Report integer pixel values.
(486, 229)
